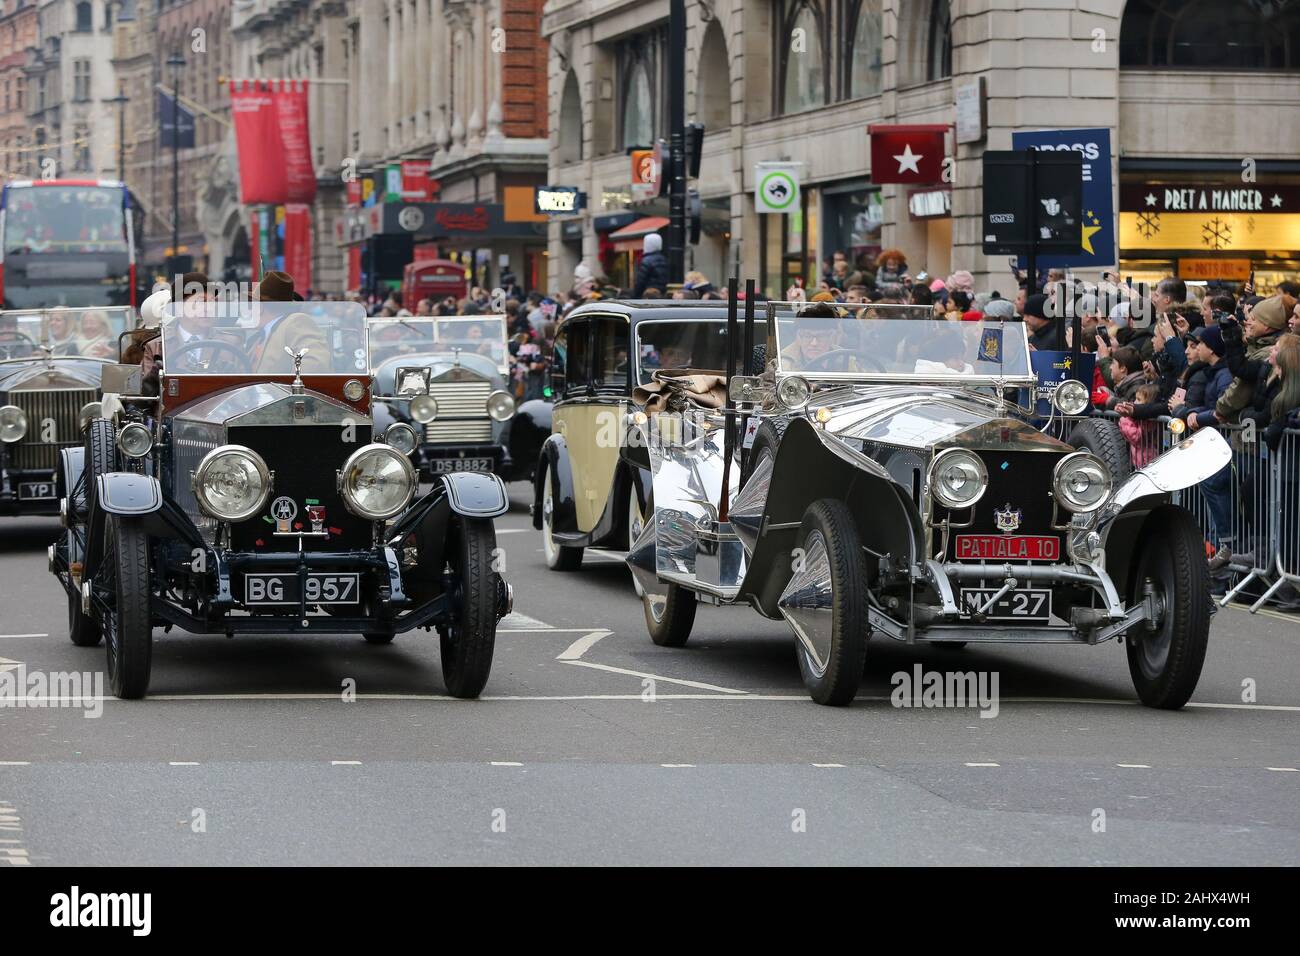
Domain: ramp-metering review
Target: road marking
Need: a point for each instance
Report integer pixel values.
(506, 763)
(7, 665)
(828, 766)
(345, 763)
(182, 763)
(1134, 766)
(514, 530)
(608, 555)
(515, 619)
(656, 677)
(546, 630)
(983, 764)
(673, 766)
(1269, 612)
(1283, 769)
(15, 854)
(15, 763)
(4, 637)
(583, 644)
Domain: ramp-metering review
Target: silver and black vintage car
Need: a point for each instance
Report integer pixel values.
(449, 379)
(51, 363)
(254, 495)
(894, 489)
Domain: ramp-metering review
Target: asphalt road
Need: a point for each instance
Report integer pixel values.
(593, 746)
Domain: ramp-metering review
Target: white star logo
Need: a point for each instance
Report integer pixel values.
(908, 160)
(1151, 199)
(1276, 200)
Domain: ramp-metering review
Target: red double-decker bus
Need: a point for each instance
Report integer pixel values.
(68, 242)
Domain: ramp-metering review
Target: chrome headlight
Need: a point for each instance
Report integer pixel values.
(957, 478)
(1081, 482)
(500, 406)
(793, 392)
(401, 436)
(89, 412)
(1071, 397)
(13, 424)
(424, 409)
(377, 482)
(232, 483)
(134, 440)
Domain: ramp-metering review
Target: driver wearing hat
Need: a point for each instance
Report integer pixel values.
(279, 329)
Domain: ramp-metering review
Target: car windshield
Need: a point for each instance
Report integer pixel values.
(203, 337)
(483, 335)
(89, 333)
(673, 343)
(875, 345)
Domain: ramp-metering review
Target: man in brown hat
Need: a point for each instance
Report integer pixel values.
(280, 328)
(1265, 324)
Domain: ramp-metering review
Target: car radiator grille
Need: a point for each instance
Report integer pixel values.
(462, 413)
(63, 408)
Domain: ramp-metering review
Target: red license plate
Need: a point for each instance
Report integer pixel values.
(1006, 547)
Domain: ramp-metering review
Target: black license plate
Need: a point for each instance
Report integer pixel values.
(36, 490)
(1029, 604)
(444, 466)
(278, 589)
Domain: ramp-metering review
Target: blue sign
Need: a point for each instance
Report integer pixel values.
(1097, 243)
(171, 115)
(1053, 368)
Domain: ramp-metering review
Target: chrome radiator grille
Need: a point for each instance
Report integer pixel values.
(462, 413)
(60, 406)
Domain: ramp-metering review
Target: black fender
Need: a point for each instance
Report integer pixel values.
(525, 435)
(140, 496)
(554, 458)
(429, 522)
(476, 495)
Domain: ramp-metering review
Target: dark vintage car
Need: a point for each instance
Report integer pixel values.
(51, 363)
(586, 494)
(449, 379)
(255, 496)
(894, 489)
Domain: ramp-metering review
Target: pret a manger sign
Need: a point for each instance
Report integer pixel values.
(1227, 200)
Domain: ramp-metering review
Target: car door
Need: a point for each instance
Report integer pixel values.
(590, 411)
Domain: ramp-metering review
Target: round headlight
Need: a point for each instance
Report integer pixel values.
(1071, 397)
(353, 390)
(134, 440)
(424, 409)
(793, 392)
(957, 478)
(377, 482)
(13, 424)
(89, 412)
(500, 406)
(1081, 482)
(232, 483)
(400, 436)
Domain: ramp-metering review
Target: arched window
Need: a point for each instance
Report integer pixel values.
(1212, 34)
(939, 60)
(862, 56)
(640, 88)
(803, 60)
(713, 81)
(638, 106)
(569, 147)
(84, 24)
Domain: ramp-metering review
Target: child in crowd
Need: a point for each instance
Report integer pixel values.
(1141, 434)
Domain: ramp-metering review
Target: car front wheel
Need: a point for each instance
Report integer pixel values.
(123, 579)
(469, 638)
(558, 557)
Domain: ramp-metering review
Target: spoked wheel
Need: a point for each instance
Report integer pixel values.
(825, 603)
(101, 456)
(123, 581)
(83, 629)
(558, 557)
(635, 524)
(468, 640)
(1165, 656)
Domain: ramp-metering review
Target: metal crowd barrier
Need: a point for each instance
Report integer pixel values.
(1259, 507)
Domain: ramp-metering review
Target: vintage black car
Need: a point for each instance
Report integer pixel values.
(586, 493)
(255, 496)
(449, 379)
(51, 362)
(893, 489)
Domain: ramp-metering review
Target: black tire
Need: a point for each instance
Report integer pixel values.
(670, 621)
(1102, 437)
(82, 629)
(128, 629)
(767, 439)
(558, 557)
(836, 683)
(1165, 664)
(758, 359)
(468, 642)
(378, 637)
(101, 455)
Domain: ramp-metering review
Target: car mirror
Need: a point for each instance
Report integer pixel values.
(122, 379)
(749, 389)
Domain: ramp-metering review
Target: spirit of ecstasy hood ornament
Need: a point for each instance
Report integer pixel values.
(296, 386)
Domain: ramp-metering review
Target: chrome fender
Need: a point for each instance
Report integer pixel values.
(1185, 465)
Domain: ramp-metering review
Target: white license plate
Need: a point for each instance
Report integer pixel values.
(272, 589)
(34, 490)
(1030, 604)
(442, 466)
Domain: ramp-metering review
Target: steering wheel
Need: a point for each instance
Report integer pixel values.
(14, 339)
(240, 361)
(822, 362)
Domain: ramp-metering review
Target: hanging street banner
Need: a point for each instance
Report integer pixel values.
(1097, 236)
(910, 154)
(776, 188)
(167, 108)
(274, 141)
(297, 245)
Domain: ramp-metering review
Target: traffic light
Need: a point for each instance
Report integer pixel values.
(694, 149)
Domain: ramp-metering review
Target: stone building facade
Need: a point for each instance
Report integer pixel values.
(18, 33)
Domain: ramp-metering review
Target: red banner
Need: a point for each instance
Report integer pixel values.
(907, 154)
(254, 246)
(274, 142)
(416, 185)
(297, 246)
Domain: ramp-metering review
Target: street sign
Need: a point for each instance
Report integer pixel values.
(776, 188)
(1045, 217)
(1096, 246)
(558, 200)
(970, 110)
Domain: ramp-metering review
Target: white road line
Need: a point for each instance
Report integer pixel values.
(983, 764)
(7, 665)
(673, 766)
(545, 630)
(656, 677)
(345, 763)
(1284, 769)
(506, 763)
(607, 555)
(515, 619)
(15, 763)
(583, 644)
(1134, 766)
(828, 766)
(514, 530)
(16, 636)
(182, 763)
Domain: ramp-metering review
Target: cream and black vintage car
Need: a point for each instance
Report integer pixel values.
(894, 490)
(254, 495)
(51, 365)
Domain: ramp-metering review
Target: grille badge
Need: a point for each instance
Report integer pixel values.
(1007, 520)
